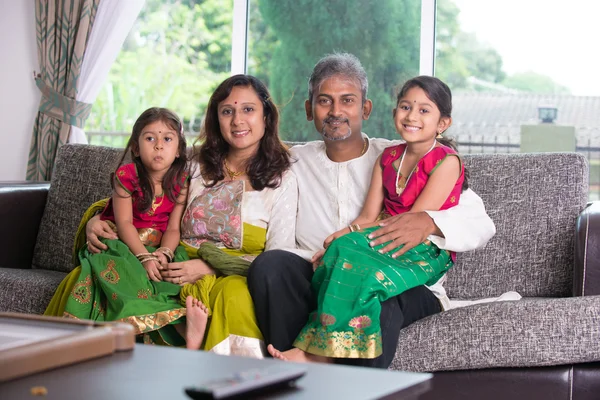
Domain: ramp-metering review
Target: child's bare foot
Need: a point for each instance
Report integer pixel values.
(197, 316)
(276, 353)
(296, 355)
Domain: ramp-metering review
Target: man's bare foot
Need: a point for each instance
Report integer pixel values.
(197, 316)
(297, 355)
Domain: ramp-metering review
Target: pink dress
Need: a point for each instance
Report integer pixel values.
(157, 216)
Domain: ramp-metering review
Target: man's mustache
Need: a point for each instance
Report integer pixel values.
(329, 120)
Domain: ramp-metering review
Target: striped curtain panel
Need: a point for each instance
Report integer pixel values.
(62, 30)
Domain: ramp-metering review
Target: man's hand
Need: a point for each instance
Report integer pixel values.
(316, 259)
(96, 229)
(408, 229)
(334, 236)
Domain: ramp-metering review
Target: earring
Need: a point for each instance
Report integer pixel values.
(439, 135)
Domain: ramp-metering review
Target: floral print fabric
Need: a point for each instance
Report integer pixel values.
(215, 215)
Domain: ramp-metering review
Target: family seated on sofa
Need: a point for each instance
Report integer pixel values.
(253, 218)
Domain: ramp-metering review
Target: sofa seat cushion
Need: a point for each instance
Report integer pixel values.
(526, 333)
(27, 290)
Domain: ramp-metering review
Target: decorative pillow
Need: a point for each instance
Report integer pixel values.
(215, 215)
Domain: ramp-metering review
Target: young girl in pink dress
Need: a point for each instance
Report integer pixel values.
(124, 282)
(351, 277)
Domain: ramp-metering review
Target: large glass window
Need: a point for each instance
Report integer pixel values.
(175, 55)
(506, 62)
(522, 75)
(287, 38)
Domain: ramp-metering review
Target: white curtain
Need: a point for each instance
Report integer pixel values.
(114, 20)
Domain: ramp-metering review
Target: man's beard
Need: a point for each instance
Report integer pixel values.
(326, 136)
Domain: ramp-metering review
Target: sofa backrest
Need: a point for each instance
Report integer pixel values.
(533, 199)
(81, 177)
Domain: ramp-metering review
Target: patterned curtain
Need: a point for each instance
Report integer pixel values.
(62, 30)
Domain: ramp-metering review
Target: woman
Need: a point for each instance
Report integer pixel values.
(242, 198)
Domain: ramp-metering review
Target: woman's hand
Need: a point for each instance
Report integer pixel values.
(152, 268)
(334, 236)
(184, 272)
(316, 259)
(96, 229)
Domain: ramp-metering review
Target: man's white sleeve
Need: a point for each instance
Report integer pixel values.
(465, 226)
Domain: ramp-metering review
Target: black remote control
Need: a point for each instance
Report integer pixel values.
(247, 382)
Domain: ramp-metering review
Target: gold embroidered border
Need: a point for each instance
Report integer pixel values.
(346, 344)
(152, 322)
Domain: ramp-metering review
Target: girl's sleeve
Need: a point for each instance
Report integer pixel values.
(281, 229)
(126, 177)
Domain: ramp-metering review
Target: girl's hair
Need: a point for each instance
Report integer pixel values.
(438, 92)
(175, 173)
(272, 159)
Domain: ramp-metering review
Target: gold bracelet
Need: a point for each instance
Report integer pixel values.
(351, 227)
(354, 227)
(167, 252)
(149, 258)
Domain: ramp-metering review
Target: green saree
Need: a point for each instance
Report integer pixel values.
(351, 281)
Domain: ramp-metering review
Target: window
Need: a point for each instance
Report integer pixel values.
(504, 60)
(287, 38)
(510, 61)
(174, 57)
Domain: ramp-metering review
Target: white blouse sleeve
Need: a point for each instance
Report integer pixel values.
(465, 226)
(281, 229)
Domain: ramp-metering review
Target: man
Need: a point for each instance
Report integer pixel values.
(333, 180)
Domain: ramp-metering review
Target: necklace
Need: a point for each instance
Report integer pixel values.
(156, 204)
(400, 180)
(364, 149)
(232, 174)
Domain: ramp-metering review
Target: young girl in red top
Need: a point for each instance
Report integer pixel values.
(352, 278)
(145, 210)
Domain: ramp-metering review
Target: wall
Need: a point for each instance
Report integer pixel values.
(19, 97)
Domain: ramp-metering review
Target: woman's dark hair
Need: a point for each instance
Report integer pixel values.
(266, 167)
(438, 92)
(176, 172)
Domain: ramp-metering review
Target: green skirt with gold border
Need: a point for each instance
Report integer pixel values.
(113, 288)
(351, 282)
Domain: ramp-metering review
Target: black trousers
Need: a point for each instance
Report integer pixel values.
(280, 285)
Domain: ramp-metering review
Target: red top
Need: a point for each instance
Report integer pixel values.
(397, 204)
(157, 216)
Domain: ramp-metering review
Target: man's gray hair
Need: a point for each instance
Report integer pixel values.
(345, 64)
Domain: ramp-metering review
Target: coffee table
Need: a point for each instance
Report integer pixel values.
(155, 372)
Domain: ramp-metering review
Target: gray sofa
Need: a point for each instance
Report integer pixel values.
(546, 248)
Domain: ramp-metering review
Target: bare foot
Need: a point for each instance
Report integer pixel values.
(297, 355)
(276, 353)
(197, 316)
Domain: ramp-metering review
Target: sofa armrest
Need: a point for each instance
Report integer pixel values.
(22, 205)
(586, 278)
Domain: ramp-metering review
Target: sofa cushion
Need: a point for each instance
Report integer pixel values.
(27, 290)
(534, 200)
(81, 176)
(525, 333)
